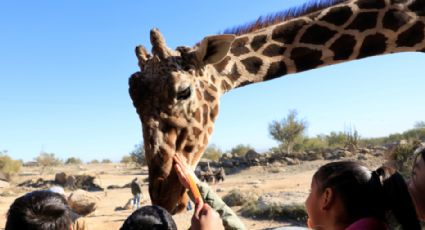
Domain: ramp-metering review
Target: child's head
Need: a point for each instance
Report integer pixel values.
(149, 217)
(351, 192)
(39, 210)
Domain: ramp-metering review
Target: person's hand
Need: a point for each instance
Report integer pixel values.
(206, 218)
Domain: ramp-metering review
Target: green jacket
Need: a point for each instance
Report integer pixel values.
(230, 219)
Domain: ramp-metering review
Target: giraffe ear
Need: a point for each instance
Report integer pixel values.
(213, 48)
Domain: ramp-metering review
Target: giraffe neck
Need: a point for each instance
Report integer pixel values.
(346, 31)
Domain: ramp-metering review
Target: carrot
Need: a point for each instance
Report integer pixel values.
(194, 189)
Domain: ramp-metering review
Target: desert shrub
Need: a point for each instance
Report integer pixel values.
(293, 212)
(94, 161)
(126, 159)
(240, 150)
(336, 139)
(402, 157)
(47, 160)
(212, 153)
(8, 166)
(237, 198)
(314, 143)
(138, 155)
(106, 161)
(73, 161)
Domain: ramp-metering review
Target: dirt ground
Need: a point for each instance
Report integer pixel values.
(258, 179)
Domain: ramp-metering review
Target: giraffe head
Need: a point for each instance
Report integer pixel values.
(176, 97)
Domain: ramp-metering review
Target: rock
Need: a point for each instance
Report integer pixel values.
(327, 156)
(290, 161)
(60, 178)
(361, 157)
(83, 202)
(219, 190)
(252, 155)
(70, 182)
(346, 153)
(364, 150)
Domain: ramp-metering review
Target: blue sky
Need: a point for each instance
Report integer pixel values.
(64, 68)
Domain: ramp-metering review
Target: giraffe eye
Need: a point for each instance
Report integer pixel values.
(184, 94)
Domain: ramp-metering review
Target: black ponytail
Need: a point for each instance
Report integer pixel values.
(397, 198)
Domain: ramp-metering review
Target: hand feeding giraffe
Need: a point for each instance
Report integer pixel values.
(177, 92)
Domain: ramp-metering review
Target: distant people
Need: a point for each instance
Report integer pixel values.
(39, 210)
(346, 195)
(136, 190)
(417, 182)
(215, 214)
(149, 217)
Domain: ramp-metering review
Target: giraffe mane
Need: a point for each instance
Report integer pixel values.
(275, 18)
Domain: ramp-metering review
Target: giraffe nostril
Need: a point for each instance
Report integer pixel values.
(184, 94)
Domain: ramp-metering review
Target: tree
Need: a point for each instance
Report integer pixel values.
(288, 130)
(106, 161)
(352, 139)
(126, 159)
(240, 150)
(138, 154)
(46, 160)
(94, 161)
(335, 139)
(212, 153)
(419, 125)
(73, 161)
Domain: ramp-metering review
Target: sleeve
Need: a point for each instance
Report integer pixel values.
(230, 220)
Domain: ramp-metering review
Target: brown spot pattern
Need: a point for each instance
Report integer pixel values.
(258, 42)
(317, 34)
(364, 21)
(343, 47)
(338, 15)
(275, 70)
(222, 65)
(252, 64)
(373, 45)
(286, 33)
(239, 46)
(411, 36)
(273, 50)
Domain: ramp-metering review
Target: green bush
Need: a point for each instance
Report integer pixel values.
(73, 161)
(46, 160)
(402, 157)
(138, 155)
(294, 212)
(212, 153)
(94, 161)
(126, 159)
(8, 166)
(106, 161)
(240, 150)
(237, 198)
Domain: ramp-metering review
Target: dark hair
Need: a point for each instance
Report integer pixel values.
(39, 210)
(149, 217)
(368, 194)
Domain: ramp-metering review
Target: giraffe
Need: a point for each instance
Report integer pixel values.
(176, 92)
